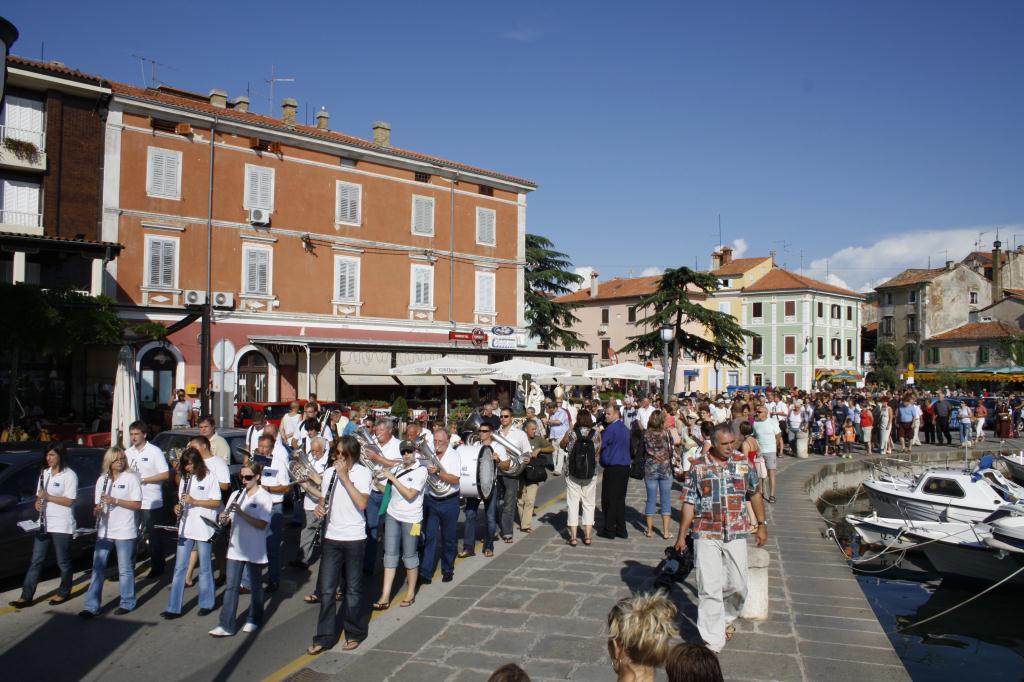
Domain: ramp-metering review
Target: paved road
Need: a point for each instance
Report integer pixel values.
(142, 645)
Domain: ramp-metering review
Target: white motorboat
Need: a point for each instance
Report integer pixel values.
(979, 556)
(877, 530)
(945, 495)
(1015, 463)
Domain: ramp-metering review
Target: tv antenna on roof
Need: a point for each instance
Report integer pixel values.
(275, 79)
(152, 70)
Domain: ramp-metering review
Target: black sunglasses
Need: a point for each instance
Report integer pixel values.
(485, 430)
(249, 477)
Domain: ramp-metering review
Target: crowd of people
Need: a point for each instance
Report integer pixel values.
(376, 498)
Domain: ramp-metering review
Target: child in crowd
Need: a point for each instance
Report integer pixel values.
(849, 438)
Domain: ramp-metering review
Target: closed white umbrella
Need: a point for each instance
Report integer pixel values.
(125, 409)
(624, 370)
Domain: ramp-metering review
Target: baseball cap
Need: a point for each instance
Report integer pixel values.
(407, 446)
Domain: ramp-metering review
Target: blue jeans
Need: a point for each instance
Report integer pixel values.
(207, 591)
(469, 533)
(340, 561)
(398, 539)
(372, 530)
(441, 517)
(62, 547)
(965, 431)
(658, 484)
(125, 571)
(275, 534)
(230, 606)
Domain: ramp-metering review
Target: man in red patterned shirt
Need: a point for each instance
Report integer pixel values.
(714, 497)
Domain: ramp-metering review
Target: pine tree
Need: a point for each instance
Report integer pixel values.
(549, 275)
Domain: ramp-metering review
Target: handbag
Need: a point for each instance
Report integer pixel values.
(535, 472)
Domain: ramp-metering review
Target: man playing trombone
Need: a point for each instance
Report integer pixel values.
(441, 513)
(517, 443)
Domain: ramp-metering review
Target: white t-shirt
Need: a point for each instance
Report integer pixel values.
(452, 464)
(781, 410)
(220, 448)
(289, 425)
(219, 469)
(249, 543)
(148, 462)
(346, 522)
(252, 438)
(765, 432)
(518, 437)
(391, 450)
(319, 466)
(180, 413)
(60, 519)
(401, 509)
(644, 414)
(206, 489)
(118, 523)
(796, 418)
(277, 473)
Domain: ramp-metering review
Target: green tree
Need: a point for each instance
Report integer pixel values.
(549, 275)
(1013, 349)
(52, 322)
(886, 355)
(720, 339)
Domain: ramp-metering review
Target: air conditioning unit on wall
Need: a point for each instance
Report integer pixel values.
(224, 300)
(259, 216)
(194, 297)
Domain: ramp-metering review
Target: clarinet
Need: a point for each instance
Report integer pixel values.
(44, 483)
(184, 507)
(238, 502)
(318, 537)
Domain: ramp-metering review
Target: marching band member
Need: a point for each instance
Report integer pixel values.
(402, 519)
(307, 553)
(118, 496)
(344, 492)
(508, 486)
(441, 514)
(503, 463)
(276, 480)
(384, 430)
(220, 470)
(199, 498)
(248, 513)
(146, 460)
(55, 499)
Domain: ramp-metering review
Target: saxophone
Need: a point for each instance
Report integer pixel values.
(439, 487)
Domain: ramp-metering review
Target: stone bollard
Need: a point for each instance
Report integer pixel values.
(756, 605)
(801, 444)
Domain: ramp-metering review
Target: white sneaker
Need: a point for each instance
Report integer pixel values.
(220, 632)
(250, 627)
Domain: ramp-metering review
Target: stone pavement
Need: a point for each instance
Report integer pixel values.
(542, 604)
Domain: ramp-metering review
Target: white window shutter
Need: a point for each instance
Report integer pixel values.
(155, 257)
(161, 263)
(156, 174)
(423, 215)
(259, 187)
(257, 272)
(168, 265)
(485, 229)
(349, 208)
(348, 278)
(422, 285)
(163, 173)
(485, 292)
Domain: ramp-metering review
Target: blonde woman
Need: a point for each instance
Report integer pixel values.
(118, 496)
(640, 631)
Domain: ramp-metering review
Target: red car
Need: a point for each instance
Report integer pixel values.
(275, 411)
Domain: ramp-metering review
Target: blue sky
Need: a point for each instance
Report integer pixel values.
(871, 135)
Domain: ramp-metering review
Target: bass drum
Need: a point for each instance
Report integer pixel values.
(477, 472)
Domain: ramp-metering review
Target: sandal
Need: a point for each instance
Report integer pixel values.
(190, 583)
(526, 530)
(586, 541)
(380, 605)
(507, 539)
(488, 553)
(58, 600)
(771, 500)
(315, 650)
(350, 644)
(572, 542)
(647, 533)
(407, 603)
(463, 554)
(311, 599)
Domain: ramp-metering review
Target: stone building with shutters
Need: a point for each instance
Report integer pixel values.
(333, 258)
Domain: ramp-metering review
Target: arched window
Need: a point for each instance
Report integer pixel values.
(156, 377)
(252, 378)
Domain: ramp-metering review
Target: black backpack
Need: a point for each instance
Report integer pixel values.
(582, 463)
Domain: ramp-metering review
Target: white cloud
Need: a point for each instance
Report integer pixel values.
(523, 34)
(864, 267)
(739, 247)
(651, 271)
(584, 272)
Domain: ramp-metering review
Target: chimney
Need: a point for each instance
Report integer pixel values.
(593, 284)
(322, 117)
(289, 107)
(997, 271)
(382, 133)
(219, 99)
(726, 255)
(716, 260)
(950, 264)
(241, 104)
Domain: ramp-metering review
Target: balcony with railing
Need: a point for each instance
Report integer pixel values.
(22, 149)
(20, 222)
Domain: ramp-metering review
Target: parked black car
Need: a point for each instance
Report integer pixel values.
(20, 464)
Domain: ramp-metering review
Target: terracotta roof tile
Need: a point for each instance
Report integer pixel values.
(620, 287)
(977, 330)
(1014, 293)
(53, 67)
(983, 257)
(196, 103)
(780, 279)
(739, 266)
(912, 276)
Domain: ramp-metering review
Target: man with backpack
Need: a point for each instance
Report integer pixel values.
(615, 460)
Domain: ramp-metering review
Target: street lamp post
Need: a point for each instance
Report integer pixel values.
(8, 34)
(750, 358)
(668, 333)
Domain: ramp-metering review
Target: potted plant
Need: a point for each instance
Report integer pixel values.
(22, 149)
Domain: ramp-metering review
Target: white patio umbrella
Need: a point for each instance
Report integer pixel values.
(517, 368)
(125, 409)
(445, 367)
(624, 370)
